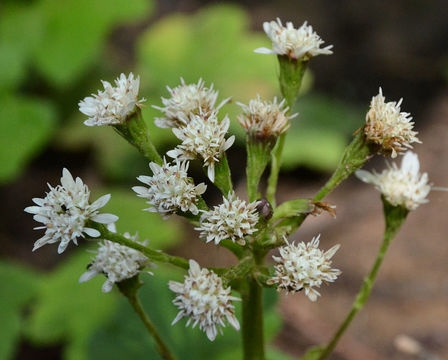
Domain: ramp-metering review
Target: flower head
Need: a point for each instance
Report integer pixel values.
(116, 262)
(113, 105)
(404, 186)
(204, 300)
(302, 43)
(389, 128)
(304, 267)
(170, 189)
(233, 219)
(187, 99)
(65, 211)
(265, 119)
(203, 137)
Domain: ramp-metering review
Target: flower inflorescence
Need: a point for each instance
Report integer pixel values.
(114, 104)
(304, 267)
(203, 298)
(65, 211)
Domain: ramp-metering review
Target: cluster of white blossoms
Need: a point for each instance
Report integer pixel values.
(388, 127)
(203, 137)
(170, 189)
(187, 99)
(265, 119)
(65, 210)
(404, 186)
(113, 105)
(204, 300)
(233, 219)
(302, 43)
(304, 267)
(116, 262)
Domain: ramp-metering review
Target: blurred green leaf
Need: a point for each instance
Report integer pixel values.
(21, 32)
(129, 208)
(125, 336)
(19, 285)
(69, 312)
(313, 353)
(76, 32)
(319, 134)
(25, 125)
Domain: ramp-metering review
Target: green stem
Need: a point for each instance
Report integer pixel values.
(129, 288)
(153, 255)
(395, 217)
(290, 79)
(135, 131)
(252, 329)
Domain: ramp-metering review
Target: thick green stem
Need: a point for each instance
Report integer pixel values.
(135, 131)
(290, 79)
(258, 155)
(129, 288)
(252, 329)
(395, 217)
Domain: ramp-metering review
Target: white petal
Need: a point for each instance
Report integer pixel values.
(89, 274)
(101, 202)
(107, 286)
(264, 50)
(105, 218)
(67, 179)
(365, 176)
(91, 232)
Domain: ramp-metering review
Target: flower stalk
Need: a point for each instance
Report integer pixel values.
(135, 131)
(129, 288)
(394, 216)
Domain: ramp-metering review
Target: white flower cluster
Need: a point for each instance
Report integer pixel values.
(302, 43)
(388, 127)
(233, 219)
(170, 189)
(113, 105)
(116, 262)
(203, 137)
(304, 267)
(265, 119)
(65, 210)
(187, 99)
(204, 300)
(404, 186)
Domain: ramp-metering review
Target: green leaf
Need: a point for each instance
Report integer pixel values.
(18, 287)
(129, 208)
(66, 311)
(26, 125)
(21, 29)
(76, 32)
(319, 134)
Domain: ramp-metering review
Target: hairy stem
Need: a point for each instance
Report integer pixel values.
(395, 217)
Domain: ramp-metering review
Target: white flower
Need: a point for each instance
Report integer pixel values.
(204, 300)
(389, 128)
(404, 186)
(265, 119)
(113, 105)
(203, 137)
(233, 219)
(170, 189)
(187, 99)
(116, 262)
(65, 210)
(302, 43)
(304, 266)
